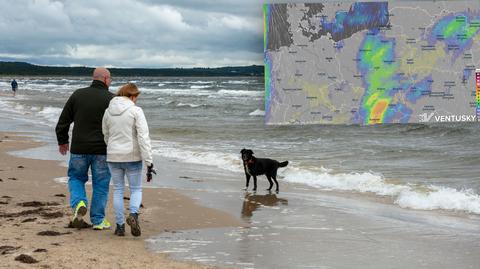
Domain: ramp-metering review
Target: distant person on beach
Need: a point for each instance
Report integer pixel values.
(85, 108)
(125, 130)
(14, 87)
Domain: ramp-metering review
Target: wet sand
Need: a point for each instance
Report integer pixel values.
(34, 213)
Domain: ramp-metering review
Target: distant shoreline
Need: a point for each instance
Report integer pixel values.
(27, 69)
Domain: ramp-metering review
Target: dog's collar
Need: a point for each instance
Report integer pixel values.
(250, 161)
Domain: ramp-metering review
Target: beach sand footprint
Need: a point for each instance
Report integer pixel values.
(23, 258)
(52, 215)
(83, 225)
(37, 204)
(29, 220)
(7, 249)
(52, 233)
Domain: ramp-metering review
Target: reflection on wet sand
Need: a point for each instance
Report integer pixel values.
(253, 201)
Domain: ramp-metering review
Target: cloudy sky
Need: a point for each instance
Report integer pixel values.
(132, 33)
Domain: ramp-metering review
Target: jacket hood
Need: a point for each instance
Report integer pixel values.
(119, 104)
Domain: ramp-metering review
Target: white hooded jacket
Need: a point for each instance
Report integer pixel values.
(125, 131)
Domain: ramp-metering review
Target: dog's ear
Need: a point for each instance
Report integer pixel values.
(242, 151)
(250, 151)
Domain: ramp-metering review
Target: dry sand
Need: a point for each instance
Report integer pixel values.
(27, 180)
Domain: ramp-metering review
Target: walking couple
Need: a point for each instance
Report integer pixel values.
(110, 136)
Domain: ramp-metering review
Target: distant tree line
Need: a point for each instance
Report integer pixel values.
(27, 69)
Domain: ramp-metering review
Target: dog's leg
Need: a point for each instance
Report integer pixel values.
(254, 183)
(247, 180)
(271, 183)
(276, 182)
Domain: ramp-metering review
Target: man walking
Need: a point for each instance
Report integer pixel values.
(14, 87)
(85, 108)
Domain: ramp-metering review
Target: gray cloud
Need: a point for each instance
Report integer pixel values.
(131, 33)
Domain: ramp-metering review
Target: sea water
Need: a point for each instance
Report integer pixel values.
(209, 120)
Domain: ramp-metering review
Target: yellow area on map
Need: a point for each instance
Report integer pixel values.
(321, 94)
(421, 62)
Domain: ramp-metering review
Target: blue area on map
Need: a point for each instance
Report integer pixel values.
(458, 40)
(401, 113)
(420, 88)
(360, 16)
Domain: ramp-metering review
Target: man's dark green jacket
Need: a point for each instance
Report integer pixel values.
(85, 108)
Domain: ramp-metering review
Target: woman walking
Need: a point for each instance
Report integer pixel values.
(128, 143)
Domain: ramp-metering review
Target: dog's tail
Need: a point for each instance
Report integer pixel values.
(283, 164)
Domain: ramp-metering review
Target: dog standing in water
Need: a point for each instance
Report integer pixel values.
(258, 166)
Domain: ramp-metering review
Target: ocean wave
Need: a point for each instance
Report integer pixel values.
(200, 86)
(48, 87)
(257, 112)
(237, 82)
(410, 196)
(202, 82)
(439, 197)
(50, 113)
(189, 105)
(226, 161)
(406, 196)
(172, 81)
(239, 93)
(176, 91)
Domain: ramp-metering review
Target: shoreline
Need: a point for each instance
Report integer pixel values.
(30, 180)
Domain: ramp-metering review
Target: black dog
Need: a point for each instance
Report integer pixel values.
(255, 167)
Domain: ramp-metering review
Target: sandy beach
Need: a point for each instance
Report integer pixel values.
(34, 213)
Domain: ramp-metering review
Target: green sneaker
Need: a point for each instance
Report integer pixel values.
(80, 211)
(104, 225)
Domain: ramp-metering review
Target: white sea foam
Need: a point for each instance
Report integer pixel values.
(199, 86)
(257, 112)
(51, 87)
(240, 93)
(237, 82)
(177, 92)
(405, 195)
(226, 161)
(189, 105)
(172, 81)
(50, 113)
(202, 82)
(440, 198)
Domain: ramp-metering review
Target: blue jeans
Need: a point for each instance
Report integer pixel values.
(78, 176)
(133, 171)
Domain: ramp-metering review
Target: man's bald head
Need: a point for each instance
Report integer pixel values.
(102, 74)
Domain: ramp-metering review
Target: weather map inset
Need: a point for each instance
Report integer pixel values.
(371, 62)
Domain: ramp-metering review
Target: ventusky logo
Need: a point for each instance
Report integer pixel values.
(425, 117)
